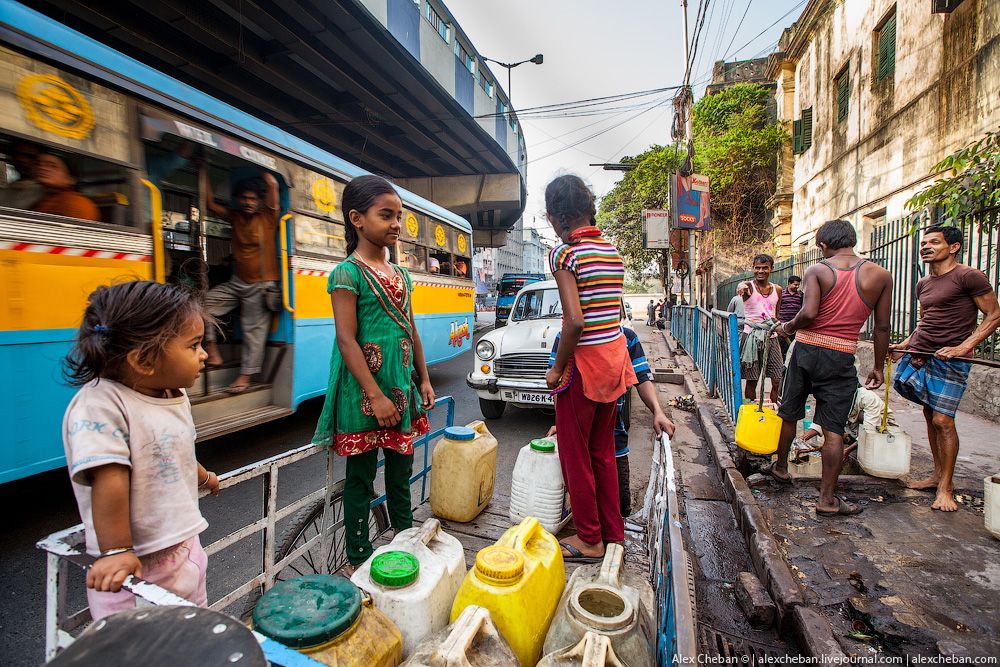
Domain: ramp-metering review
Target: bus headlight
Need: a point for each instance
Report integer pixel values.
(485, 350)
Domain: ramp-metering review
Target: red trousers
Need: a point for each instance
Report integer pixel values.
(587, 456)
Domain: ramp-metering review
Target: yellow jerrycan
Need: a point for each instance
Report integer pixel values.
(757, 427)
(519, 580)
(463, 469)
(594, 650)
(325, 617)
(885, 452)
(471, 641)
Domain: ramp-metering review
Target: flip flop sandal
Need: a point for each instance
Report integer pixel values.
(576, 556)
(844, 508)
(768, 471)
(237, 388)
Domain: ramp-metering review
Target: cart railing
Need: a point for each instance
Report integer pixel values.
(67, 547)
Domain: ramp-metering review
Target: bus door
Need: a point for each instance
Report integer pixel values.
(199, 173)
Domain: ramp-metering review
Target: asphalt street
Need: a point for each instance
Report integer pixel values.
(44, 503)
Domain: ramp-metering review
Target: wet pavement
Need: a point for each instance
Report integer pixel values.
(900, 579)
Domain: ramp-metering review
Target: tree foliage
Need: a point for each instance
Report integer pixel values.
(735, 146)
(971, 182)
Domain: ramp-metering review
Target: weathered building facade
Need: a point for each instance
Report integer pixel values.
(874, 93)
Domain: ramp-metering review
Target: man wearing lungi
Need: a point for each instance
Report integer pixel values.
(951, 297)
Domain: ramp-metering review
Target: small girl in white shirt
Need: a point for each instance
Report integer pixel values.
(129, 440)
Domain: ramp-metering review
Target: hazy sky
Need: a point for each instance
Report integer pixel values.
(594, 49)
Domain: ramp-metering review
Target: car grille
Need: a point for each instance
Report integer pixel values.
(531, 366)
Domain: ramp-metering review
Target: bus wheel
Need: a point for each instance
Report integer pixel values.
(303, 526)
(492, 409)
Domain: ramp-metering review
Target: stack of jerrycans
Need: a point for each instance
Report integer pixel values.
(537, 488)
(605, 600)
(519, 581)
(414, 579)
(464, 467)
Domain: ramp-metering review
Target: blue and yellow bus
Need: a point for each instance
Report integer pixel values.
(507, 288)
(136, 141)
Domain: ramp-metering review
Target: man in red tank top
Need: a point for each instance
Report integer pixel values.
(840, 293)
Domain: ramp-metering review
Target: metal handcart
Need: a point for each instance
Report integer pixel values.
(312, 541)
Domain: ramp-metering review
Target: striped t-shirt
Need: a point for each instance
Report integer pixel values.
(600, 275)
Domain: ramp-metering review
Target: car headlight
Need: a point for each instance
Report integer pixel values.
(485, 350)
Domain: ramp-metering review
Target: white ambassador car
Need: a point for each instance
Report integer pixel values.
(511, 361)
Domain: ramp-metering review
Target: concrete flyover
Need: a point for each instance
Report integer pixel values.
(394, 86)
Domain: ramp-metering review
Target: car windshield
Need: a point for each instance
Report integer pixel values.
(537, 304)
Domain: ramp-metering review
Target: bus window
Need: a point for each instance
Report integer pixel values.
(57, 182)
(462, 265)
(444, 262)
(413, 256)
(319, 236)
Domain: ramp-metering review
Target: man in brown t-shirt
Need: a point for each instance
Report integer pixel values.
(951, 297)
(254, 230)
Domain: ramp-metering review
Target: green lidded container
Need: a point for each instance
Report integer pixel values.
(545, 445)
(394, 569)
(308, 611)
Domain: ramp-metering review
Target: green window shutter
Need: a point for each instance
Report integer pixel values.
(796, 137)
(843, 94)
(807, 128)
(887, 48)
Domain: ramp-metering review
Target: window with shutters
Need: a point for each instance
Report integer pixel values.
(842, 89)
(885, 47)
(807, 128)
(797, 136)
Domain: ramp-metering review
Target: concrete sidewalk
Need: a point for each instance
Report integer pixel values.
(903, 579)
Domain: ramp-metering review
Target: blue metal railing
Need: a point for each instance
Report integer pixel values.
(712, 339)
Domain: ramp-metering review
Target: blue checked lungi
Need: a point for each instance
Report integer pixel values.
(937, 384)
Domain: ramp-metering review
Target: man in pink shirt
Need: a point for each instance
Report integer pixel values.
(761, 301)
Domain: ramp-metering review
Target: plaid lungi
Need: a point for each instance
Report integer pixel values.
(937, 384)
(775, 362)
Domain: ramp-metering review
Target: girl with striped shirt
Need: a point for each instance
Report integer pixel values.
(592, 368)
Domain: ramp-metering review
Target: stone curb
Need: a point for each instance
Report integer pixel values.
(812, 630)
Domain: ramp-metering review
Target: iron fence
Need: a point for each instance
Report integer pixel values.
(783, 270)
(712, 340)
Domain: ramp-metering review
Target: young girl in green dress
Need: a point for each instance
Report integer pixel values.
(372, 402)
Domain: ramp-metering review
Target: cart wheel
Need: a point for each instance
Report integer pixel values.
(305, 525)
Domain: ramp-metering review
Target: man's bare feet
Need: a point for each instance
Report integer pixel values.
(945, 501)
(923, 484)
(585, 548)
(239, 385)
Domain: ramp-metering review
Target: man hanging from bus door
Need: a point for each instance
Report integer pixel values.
(254, 231)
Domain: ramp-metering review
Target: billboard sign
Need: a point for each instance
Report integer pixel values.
(689, 202)
(655, 229)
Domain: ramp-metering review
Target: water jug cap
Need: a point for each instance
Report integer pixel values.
(501, 566)
(395, 569)
(459, 433)
(543, 445)
(308, 611)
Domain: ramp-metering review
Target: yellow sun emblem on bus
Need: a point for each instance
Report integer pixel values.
(324, 196)
(462, 243)
(412, 225)
(55, 106)
(439, 236)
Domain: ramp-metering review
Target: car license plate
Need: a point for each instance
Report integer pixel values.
(527, 397)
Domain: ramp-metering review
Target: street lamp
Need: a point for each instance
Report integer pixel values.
(537, 59)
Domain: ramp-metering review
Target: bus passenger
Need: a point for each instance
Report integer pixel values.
(255, 225)
(433, 265)
(461, 270)
(592, 367)
(61, 197)
(25, 191)
(372, 402)
(129, 440)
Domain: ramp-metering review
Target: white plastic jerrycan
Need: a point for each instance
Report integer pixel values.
(594, 650)
(413, 580)
(991, 504)
(537, 488)
(464, 469)
(884, 454)
(606, 600)
(471, 641)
